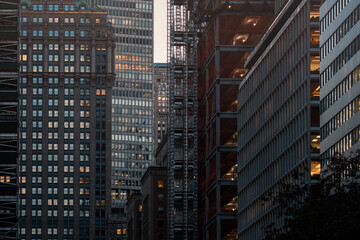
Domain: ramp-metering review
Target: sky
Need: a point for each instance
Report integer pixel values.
(160, 28)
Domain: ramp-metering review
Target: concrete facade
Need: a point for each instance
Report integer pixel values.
(340, 76)
(278, 114)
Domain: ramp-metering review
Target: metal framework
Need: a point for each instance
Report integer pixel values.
(8, 117)
(182, 129)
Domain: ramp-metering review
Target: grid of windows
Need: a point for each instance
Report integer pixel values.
(343, 87)
(340, 118)
(278, 131)
(340, 60)
(335, 10)
(339, 93)
(132, 121)
(65, 164)
(340, 32)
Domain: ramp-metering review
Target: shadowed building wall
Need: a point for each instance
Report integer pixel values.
(278, 114)
(66, 79)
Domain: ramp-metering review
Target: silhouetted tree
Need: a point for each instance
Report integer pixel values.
(328, 209)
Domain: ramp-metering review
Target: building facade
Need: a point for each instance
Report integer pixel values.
(182, 123)
(161, 102)
(229, 33)
(278, 113)
(154, 204)
(66, 80)
(9, 16)
(132, 104)
(340, 74)
(133, 217)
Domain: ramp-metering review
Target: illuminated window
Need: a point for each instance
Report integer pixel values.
(5, 179)
(315, 168)
(160, 184)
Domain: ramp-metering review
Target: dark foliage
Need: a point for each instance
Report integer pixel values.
(328, 209)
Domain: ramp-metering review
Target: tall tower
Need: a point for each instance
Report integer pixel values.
(132, 103)
(8, 116)
(228, 33)
(278, 114)
(182, 141)
(66, 79)
(161, 103)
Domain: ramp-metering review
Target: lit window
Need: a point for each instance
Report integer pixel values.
(315, 168)
(160, 184)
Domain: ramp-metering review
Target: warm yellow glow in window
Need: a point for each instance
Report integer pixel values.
(140, 208)
(5, 179)
(315, 168)
(314, 63)
(316, 93)
(118, 231)
(160, 184)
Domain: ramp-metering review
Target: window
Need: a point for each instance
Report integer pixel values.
(160, 184)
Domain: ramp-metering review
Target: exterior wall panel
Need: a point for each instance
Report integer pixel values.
(278, 125)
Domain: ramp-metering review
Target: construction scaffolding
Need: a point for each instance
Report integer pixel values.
(182, 128)
(8, 117)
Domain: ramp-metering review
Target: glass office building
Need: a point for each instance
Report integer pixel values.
(132, 103)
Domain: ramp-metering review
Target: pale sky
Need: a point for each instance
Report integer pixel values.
(160, 28)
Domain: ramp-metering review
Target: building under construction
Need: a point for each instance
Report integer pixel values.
(228, 33)
(209, 42)
(8, 117)
(182, 130)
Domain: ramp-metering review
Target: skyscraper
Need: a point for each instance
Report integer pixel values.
(278, 113)
(181, 159)
(340, 76)
(66, 79)
(8, 116)
(132, 103)
(229, 32)
(161, 102)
